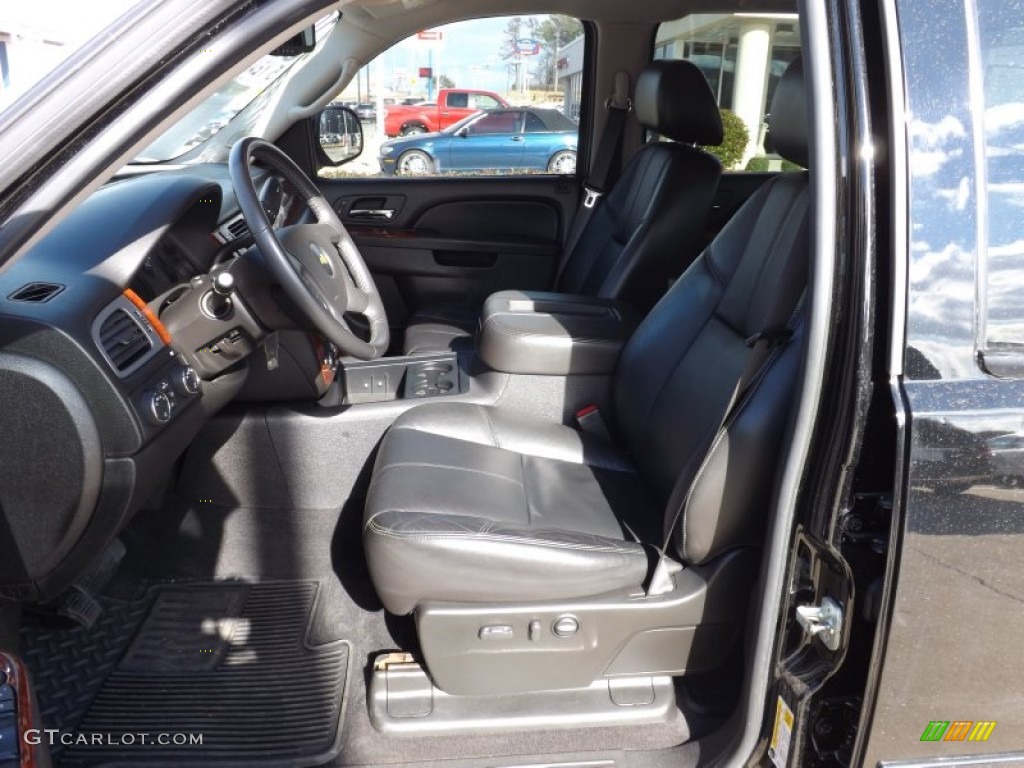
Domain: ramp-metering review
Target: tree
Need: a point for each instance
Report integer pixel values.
(445, 82)
(554, 33)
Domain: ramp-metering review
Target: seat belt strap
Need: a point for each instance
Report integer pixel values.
(601, 177)
(778, 325)
(763, 347)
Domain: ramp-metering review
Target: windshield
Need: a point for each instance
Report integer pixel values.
(252, 89)
(218, 110)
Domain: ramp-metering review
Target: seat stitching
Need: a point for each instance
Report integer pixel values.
(376, 528)
(526, 493)
(427, 464)
(490, 426)
(783, 226)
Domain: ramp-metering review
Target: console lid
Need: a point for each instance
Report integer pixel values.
(553, 333)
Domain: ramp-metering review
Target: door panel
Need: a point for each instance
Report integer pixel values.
(430, 241)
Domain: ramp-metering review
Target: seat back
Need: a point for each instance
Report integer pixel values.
(678, 374)
(631, 245)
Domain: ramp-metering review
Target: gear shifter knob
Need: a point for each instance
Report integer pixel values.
(223, 283)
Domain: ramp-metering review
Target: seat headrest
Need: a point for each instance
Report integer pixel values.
(787, 118)
(674, 99)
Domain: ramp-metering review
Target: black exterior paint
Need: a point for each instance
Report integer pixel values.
(952, 651)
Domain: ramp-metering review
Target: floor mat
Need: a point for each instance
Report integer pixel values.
(69, 664)
(227, 663)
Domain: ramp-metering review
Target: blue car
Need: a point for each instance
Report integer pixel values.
(512, 139)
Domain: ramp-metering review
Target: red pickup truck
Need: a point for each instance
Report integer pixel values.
(452, 105)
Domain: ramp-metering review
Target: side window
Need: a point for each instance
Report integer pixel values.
(742, 55)
(483, 101)
(421, 99)
(534, 124)
(495, 122)
(458, 100)
(1001, 47)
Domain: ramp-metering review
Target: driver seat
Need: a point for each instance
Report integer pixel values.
(529, 551)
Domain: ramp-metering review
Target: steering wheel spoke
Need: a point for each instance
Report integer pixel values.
(318, 265)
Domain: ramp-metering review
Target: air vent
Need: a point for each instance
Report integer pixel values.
(123, 340)
(36, 293)
(237, 228)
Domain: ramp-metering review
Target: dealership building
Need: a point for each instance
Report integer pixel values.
(742, 55)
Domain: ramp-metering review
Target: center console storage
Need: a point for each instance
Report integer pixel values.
(555, 334)
(410, 378)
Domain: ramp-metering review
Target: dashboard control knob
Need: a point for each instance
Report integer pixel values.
(158, 407)
(186, 381)
(223, 283)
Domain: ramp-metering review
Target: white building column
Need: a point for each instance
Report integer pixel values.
(751, 80)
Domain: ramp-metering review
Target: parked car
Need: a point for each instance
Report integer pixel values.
(499, 139)
(706, 478)
(452, 105)
(366, 111)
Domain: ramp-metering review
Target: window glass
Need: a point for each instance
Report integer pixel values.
(534, 123)
(495, 122)
(1001, 41)
(742, 55)
(533, 64)
(460, 100)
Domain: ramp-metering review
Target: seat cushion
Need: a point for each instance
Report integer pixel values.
(441, 327)
(476, 504)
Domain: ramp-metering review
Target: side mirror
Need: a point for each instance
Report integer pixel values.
(340, 135)
(463, 132)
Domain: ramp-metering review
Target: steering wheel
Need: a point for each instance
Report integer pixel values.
(318, 265)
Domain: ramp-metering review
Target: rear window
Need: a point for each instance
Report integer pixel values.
(743, 56)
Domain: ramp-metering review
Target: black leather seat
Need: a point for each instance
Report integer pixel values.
(647, 229)
(471, 503)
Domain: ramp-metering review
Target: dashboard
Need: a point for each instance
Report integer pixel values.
(116, 346)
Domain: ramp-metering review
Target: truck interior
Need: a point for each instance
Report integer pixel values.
(263, 479)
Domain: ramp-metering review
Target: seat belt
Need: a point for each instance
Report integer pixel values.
(601, 178)
(778, 326)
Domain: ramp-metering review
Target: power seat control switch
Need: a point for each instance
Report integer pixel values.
(565, 626)
(823, 621)
(496, 632)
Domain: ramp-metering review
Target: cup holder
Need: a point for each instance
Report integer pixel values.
(431, 379)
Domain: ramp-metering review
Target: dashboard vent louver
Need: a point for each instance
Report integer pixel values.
(36, 293)
(123, 339)
(237, 228)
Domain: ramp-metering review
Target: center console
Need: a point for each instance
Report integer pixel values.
(553, 334)
(404, 378)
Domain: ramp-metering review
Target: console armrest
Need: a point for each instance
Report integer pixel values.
(553, 333)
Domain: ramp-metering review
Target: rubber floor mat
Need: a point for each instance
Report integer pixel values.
(69, 664)
(226, 665)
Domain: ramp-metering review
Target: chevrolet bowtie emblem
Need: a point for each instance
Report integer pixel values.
(323, 257)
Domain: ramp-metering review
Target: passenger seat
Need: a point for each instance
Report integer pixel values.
(481, 516)
(647, 229)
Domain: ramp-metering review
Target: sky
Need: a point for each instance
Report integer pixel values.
(469, 53)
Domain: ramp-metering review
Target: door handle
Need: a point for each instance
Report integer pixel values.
(371, 213)
(517, 138)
